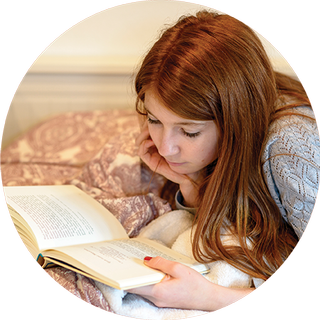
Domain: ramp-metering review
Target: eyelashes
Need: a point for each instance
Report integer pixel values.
(187, 134)
(152, 121)
(191, 135)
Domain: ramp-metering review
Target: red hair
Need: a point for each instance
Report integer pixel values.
(214, 67)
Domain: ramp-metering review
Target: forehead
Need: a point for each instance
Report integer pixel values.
(155, 108)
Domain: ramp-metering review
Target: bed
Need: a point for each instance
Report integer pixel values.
(73, 121)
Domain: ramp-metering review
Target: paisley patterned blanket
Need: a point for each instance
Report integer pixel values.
(96, 152)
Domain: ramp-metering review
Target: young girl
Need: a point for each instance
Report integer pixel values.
(239, 141)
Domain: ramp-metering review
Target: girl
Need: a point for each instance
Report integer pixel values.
(239, 142)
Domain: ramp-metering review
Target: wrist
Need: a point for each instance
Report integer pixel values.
(189, 195)
(179, 201)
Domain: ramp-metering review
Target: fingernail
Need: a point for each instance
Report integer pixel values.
(147, 258)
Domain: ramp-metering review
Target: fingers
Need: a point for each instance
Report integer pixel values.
(170, 268)
(144, 135)
(145, 146)
(149, 154)
(147, 150)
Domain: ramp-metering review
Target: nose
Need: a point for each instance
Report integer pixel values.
(168, 145)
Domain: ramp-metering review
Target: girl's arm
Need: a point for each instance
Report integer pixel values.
(185, 288)
(182, 287)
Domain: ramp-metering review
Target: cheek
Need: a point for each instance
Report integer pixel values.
(208, 155)
(214, 153)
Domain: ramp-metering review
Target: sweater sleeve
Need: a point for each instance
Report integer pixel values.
(291, 167)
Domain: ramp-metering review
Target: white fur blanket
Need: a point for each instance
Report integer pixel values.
(174, 230)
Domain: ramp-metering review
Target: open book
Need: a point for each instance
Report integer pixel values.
(62, 225)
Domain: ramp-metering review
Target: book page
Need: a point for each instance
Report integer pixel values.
(120, 263)
(63, 215)
(152, 248)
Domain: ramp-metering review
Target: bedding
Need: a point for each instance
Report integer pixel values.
(96, 152)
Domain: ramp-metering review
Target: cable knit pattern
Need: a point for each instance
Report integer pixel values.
(291, 166)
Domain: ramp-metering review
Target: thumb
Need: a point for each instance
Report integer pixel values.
(171, 268)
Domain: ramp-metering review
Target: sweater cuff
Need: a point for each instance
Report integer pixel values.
(179, 203)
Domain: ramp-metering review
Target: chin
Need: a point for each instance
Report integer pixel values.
(184, 171)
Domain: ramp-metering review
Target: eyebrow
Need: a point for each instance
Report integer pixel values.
(187, 123)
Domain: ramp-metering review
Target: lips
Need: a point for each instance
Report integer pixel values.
(175, 164)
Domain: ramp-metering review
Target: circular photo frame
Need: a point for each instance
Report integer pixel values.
(73, 121)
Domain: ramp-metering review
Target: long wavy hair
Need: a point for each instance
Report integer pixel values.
(213, 67)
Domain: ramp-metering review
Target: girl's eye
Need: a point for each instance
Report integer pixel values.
(153, 121)
(187, 134)
(191, 135)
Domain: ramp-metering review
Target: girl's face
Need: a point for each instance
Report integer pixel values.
(187, 145)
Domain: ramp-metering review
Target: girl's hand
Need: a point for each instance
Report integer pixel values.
(182, 287)
(151, 157)
(185, 288)
(149, 154)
